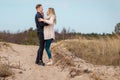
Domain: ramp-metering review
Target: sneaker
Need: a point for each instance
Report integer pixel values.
(50, 63)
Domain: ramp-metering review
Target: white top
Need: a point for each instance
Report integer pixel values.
(49, 32)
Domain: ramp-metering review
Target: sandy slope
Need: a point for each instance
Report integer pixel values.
(22, 60)
(25, 57)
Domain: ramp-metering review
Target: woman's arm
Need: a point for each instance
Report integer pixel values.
(50, 21)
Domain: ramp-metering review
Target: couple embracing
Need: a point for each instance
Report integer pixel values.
(45, 32)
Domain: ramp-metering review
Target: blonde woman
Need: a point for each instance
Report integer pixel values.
(49, 34)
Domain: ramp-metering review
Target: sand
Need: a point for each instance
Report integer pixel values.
(21, 58)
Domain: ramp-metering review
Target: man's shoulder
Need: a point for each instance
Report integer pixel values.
(38, 15)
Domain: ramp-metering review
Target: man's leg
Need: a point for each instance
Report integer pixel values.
(37, 59)
(41, 48)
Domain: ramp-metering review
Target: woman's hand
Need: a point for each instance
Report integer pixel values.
(41, 19)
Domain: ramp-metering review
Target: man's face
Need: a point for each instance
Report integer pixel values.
(40, 9)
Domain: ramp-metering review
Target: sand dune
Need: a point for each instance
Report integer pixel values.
(21, 58)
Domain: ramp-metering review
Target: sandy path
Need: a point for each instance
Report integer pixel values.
(25, 55)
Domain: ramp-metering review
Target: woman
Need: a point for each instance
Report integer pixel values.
(49, 34)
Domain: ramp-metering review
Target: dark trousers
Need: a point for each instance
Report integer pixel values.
(41, 46)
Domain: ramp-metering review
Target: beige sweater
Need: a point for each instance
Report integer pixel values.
(49, 30)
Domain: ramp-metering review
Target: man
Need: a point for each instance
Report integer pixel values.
(40, 34)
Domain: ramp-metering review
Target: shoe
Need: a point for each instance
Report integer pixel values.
(36, 62)
(50, 63)
(41, 63)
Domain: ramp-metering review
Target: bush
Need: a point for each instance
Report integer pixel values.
(101, 52)
(5, 70)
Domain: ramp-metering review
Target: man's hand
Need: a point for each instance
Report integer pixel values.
(41, 19)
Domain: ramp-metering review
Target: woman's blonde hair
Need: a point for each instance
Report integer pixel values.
(51, 12)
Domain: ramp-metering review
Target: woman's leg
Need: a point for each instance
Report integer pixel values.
(47, 47)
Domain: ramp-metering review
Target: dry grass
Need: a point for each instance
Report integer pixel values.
(101, 52)
(75, 72)
(6, 46)
(62, 60)
(95, 77)
(5, 70)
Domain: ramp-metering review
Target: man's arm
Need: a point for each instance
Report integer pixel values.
(41, 23)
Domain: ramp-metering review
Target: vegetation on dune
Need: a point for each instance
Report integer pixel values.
(82, 55)
(104, 51)
(29, 37)
(5, 70)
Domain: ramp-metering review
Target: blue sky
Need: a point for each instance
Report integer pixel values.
(85, 16)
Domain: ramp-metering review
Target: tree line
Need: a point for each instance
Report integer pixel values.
(29, 37)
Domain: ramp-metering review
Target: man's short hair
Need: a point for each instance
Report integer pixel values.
(38, 5)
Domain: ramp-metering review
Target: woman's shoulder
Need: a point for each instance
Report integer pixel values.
(52, 16)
